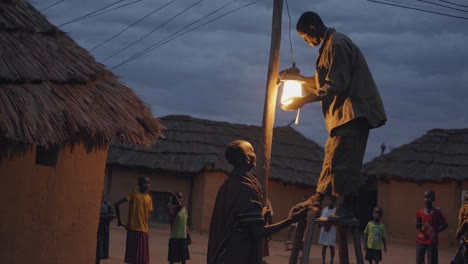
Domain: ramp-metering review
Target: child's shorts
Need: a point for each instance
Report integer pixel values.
(373, 254)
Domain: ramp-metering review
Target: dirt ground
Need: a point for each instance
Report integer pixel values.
(397, 253)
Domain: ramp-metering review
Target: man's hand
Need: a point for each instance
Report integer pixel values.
(297, 102)
(265, 211)
(312, 204)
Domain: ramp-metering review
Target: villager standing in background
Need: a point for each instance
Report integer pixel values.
(140, 204)
(327, 231)
(375, 237)
(106, 215)
(430, 222)
(178, 242)
(462, 232)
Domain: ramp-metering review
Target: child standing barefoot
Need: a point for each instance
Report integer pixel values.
(327, 231)
(430, 222)
(178, 245)
(375, 236)
(140, 204)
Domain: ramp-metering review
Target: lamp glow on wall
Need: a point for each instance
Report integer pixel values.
(292, 82)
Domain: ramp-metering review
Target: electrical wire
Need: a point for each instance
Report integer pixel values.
(415, 5)
(163, 42)
(449, 7)
(418, 9)
(92, 13)
(168, 39)
(455, 4)
(134, 23)
(54, 4)
(115, 8)
(182, 29)
(152, 31)
(290, 42)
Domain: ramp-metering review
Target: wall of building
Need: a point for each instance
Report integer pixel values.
(123, 180)
(401, 200)
(197, 201)
(207, 184)
(50, 214)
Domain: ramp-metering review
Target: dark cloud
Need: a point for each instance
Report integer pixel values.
(219, 71)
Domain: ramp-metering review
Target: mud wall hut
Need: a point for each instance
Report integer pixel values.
(439, 161)
(59, 112)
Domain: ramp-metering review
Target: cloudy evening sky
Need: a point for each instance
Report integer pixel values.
(218, 72)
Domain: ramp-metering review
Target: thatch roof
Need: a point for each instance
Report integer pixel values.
(53, 92)
(192, 143)
(439, 155)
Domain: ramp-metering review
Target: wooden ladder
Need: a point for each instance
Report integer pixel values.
(304, 233)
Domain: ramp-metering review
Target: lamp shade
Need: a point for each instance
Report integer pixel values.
(290, 89)
(292, 84)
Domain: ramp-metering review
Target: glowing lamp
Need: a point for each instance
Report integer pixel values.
(292, 84)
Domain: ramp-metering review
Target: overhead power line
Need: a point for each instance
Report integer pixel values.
(416, 5)
(54, 4)
(449, 7)
(181, 29)
(133, 24)
(169, 39)
(455, 4)
(418, 9)
(92, 13)
(152, 31)
(112, 9)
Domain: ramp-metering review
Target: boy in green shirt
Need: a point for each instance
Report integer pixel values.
(375, 235)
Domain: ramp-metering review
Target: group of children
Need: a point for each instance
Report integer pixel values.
(374, 235)
(429, 222)
(137, 242)
(238, 228)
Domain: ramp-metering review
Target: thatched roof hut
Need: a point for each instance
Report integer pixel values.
(191, 143)
(53, 92)
(440, 155)
(439, 161)
(59, 112)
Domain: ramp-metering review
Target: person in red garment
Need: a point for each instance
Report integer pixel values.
(140, 204)
(430, 222)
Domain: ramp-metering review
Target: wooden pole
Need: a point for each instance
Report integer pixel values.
(264, 155)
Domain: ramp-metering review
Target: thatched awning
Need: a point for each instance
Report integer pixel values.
(191, 143)
(439, 155)
(53, 92)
